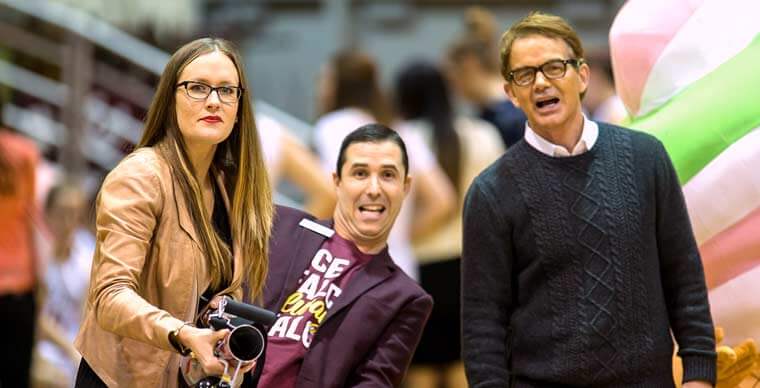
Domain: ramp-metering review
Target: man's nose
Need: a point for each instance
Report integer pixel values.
(541, 81)
(373, 187)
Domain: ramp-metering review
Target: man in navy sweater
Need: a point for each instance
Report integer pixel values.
(579, 259)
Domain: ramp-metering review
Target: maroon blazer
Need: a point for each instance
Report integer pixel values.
(372, 330)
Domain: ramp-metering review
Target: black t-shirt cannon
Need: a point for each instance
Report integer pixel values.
(244, 344)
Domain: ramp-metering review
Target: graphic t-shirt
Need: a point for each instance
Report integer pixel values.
(304, 310)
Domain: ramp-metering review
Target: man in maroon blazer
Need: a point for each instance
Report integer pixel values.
(347, 315)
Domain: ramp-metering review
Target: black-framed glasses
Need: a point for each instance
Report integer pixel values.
(554, 69)
(200, 91)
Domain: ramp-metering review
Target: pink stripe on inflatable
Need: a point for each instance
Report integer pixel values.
(733, 252)
(639, 34)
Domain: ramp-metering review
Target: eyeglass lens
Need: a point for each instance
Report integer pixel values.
(553, 70)
(201, 91)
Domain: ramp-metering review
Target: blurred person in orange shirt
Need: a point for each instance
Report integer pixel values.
(18, 280)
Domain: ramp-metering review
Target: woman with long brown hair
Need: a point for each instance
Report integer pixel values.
(186, 215)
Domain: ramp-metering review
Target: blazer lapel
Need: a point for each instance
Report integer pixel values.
(308, 244)
(183, 213)
(377, 270)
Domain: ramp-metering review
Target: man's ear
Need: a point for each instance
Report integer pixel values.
(336, 179)
(584, 74)
(510, 94)
(407, 184)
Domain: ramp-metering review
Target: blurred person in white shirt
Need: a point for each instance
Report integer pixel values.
(350, 97)
(68, 247)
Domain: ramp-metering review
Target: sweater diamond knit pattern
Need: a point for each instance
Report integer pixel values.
(590, 247)
(576, 270)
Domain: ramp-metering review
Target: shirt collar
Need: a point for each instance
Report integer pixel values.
(589, 135)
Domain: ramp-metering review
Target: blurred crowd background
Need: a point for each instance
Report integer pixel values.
(77, 76)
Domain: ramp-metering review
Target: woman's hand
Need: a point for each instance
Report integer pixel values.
(203, 342)
(214, 303)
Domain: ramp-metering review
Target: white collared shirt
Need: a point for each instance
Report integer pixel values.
(588, 138)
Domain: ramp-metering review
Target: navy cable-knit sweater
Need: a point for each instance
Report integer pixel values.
(575, 270)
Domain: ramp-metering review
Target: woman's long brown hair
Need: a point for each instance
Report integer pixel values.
(238, 160)
(357, 85)
(478, 40)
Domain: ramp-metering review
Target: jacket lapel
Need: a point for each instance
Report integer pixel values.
(183, 213)
(309, 243)
(377, 270)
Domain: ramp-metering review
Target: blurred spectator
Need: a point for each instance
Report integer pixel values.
(286, 157)
(473, 67)
(69, 256)
(601, 101)
(463, 148)
(350, 97)
(18, 280)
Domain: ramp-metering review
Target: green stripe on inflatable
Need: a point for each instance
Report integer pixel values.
(710, 114)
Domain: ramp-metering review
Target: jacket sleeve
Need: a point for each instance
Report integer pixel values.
(386, 365)
(683, 278)
(486, 291)
(129, 207)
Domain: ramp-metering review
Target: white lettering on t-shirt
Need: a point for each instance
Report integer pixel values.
(332, 293)
(309, 286)
(292, 329)
(280, 326)
(336, 268)
(308, 333)
(304, 310)
(317, 261)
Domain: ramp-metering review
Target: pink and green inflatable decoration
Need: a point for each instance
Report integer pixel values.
(688, 72)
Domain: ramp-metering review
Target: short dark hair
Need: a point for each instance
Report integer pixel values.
(372, 133)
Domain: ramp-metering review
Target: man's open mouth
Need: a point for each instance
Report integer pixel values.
(372, 208)
(547, 102)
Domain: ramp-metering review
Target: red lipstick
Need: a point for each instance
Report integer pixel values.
(212, 119)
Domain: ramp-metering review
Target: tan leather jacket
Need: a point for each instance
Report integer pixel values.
(147, 275)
